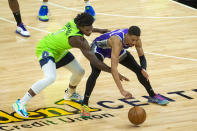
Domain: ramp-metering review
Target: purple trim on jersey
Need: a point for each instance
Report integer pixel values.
(101, 42)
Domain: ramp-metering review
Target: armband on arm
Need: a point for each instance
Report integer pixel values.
(143, 62)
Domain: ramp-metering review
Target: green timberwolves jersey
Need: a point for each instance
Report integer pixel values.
(57, 44)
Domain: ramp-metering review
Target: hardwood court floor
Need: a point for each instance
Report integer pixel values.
(169, 41)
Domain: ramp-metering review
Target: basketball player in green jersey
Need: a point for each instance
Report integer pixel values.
(53, 52)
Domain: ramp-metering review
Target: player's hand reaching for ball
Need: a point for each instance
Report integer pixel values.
(126, 94)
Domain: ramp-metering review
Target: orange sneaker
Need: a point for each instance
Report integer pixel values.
(85, 111)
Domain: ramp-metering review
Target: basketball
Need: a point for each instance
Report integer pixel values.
(137, 115)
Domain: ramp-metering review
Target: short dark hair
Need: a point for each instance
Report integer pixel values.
(84, 19)
(134, 30)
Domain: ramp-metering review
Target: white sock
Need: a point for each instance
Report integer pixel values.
(26, 98)
(44, 3)
(87, 3)
(71, 90)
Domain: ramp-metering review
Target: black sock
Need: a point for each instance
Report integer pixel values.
(146, 84)
(17, 17)
(90, 86)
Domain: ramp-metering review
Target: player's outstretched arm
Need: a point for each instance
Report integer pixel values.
(82, 44)
(116, 48)
(102, 31)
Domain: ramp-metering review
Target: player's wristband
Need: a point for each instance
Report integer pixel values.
(143, 62)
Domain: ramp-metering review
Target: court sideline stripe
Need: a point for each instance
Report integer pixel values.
(182, 5)
(117, 15)
(156, 54)
(30, 27)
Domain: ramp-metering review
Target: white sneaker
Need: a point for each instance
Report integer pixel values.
(22, 30)
(74, 97)
(20, 109)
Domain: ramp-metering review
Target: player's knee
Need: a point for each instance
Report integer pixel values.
(95, 73)
(137, 71)
(51, 78)
(80, 72)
